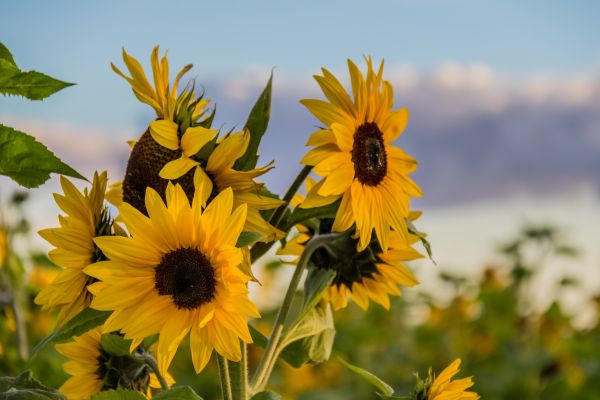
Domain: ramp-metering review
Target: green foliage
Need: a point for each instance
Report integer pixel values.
(248, 239)
(115, 344)
(119, 394)
(300, 215)
(178, 393)
(317, 281)
(78, 325)
(413, 229)
(267, 395)
(27, 161)
(25, 387)
(31, 84)
(257, 123)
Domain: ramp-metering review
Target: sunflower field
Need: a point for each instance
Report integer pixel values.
(186, 277)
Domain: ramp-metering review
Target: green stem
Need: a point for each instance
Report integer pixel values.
(224, 377)
(259, 249)
(239, 375)
(151, 362)
(261, 375)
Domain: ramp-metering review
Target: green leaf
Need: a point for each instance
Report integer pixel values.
(27, 161)
(258, 338)
(257, 123)
(31, 84)
(25, 387)
(248, 239)
(78, 325)
(115, 344)
(384, 388)
(178, 393)
(267, 395)
(119, 394)
(302, 214)
(317, 281)
(413, 229)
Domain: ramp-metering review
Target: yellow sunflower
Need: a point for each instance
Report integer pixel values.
(93, 369)
(86, 217)
(178, 273)
(3, 246)
(170, 150)
(370, 274)
(355, 156)
(443, 388)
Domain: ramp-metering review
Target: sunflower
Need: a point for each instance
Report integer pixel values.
(178, 273)
(370, 274)
(86, 217)
(93, 369)
(355, 156)
(3, 246)
(180, 147)
(443, 388)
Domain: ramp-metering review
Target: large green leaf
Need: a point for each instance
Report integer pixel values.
(25, 387)
(119, 394)
(384, 388)
(317, 281)
(30, 84)
(78, 325)
(267, 395)
(27, 161)
(178, 393)
(302, 214)
(257, 123)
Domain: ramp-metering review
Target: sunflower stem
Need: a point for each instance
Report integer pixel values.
(259, 249)
(239, 375)
(150, 361)
(224, 377)
(265, 366)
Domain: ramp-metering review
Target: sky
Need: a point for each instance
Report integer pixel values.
(503, 95)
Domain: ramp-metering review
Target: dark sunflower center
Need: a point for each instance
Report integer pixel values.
(340, 256)
(187, 276)
(145, 162)
(368, 154)
(122, 372)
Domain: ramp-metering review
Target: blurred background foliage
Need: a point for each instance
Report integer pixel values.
(513, 347)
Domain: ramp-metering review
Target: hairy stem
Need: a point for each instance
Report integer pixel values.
(259, 249)
(239, 375)
(224, 377)
(150, 361)
(262, 373)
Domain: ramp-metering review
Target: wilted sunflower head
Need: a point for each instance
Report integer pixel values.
(169, 148)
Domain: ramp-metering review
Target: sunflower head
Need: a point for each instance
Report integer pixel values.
(442, 387)
(86, 217)
(169, 148)
(356, 158)
(95, 368)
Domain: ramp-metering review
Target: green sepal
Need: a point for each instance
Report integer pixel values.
(413, 230)
(86, 320)
(116, 345)
(257, 123)
(248, 238)
(27, 161)
(317, 281)
(25, 387)
(383, 388)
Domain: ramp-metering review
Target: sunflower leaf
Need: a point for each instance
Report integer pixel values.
(302, 214)
(30, 84)
(26, 387)
(115, 344)
(119, 394)
(413, 230)
(267, 395)
(257, 123)
(384, 388)
(27, 161)
(178, 393)
(78, 325)
(317, 281)
(248, 238)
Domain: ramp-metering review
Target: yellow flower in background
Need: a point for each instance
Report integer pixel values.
(444, 388)
(178, 273)
(93, 369)
(355, 156)
(86, 217)
(362, 276)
